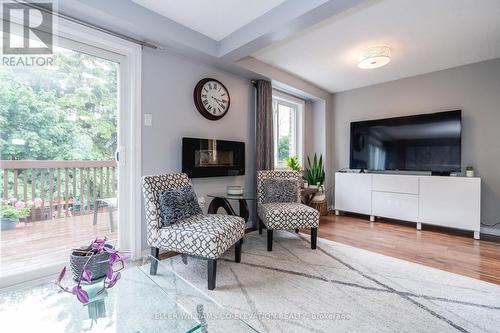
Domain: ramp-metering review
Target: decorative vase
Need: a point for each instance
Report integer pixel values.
(96, 306)
(469, 173)
(98, 265)
(8, 223)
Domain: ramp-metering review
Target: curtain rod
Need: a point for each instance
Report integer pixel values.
(89, 25)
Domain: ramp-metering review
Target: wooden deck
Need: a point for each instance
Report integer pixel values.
(38, 244)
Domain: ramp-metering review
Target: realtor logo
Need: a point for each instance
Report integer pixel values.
(27, 29)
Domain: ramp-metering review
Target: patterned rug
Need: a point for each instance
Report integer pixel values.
(339, 288)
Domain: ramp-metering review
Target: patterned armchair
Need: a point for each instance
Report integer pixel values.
(284, 215)
(207, 236)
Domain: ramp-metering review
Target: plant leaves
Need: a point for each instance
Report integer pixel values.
(109, 272)
(87, 274)
(114, 280)
(61, 275)
(80, 294)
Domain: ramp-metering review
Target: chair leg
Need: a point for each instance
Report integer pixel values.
(237, 250)
(155, 253)
(260, 227)
(269, 239)
(314, 237)
(212, 273)
(297, 230)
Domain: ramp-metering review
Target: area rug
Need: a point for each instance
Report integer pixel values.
(339, 288)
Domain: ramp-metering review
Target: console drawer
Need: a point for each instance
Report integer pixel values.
(395, 205)
(395, 183)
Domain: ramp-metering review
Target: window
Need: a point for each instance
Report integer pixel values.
(288, 123)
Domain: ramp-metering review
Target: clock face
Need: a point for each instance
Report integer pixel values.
(211, 98)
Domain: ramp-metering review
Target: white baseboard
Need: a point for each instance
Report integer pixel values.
(490, 231)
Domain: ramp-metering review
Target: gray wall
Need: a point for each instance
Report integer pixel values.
(167, 93)
(475, 89)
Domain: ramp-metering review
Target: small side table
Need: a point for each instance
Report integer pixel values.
(221, 200)
(307, 194)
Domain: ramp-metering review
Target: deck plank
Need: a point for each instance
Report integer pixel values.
(35, 245)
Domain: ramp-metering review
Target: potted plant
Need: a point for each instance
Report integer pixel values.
(10, 213)
(293, 163)
(469, 171)
(315, 172)
(93, 263)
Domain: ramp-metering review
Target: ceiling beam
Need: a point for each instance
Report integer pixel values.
(281, 22)
(131, 19)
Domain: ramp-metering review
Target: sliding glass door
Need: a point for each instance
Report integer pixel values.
(61, 126)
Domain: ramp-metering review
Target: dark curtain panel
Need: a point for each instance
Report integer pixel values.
(264, 126)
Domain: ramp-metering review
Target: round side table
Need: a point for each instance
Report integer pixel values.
(221, 200)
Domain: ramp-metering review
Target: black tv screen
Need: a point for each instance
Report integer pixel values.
(426, 142)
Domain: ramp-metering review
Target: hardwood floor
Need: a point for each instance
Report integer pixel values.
(450, 250)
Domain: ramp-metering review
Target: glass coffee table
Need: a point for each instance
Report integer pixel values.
(139, 302)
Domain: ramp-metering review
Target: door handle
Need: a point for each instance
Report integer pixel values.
(120, 156)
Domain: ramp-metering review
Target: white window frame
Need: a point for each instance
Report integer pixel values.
(299, 105)
(129, 56)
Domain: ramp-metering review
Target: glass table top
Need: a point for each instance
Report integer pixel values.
(138, 302)
(244, 196)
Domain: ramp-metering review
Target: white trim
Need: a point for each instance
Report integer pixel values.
(299, 103)
(31, 278)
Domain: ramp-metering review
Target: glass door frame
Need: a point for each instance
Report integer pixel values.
(81, 38)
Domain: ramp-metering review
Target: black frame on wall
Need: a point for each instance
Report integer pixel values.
(190, 147)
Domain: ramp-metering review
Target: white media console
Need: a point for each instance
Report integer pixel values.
(453, 202)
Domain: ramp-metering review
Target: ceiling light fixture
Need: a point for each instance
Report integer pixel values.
(374, 57)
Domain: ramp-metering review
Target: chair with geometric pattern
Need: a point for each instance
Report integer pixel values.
(204, 235)
(285, 214)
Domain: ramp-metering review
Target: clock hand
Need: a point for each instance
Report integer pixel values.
(218, 101)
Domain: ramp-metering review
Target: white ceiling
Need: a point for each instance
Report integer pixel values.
(424, 35)
(213, 18)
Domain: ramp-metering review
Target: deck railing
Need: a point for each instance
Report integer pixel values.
(58, 188)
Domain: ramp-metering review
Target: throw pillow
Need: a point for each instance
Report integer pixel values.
(280, 190)
(177, 204)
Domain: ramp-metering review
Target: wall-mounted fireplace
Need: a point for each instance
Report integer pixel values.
(212, 158)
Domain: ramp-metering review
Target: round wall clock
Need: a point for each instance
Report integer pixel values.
(211, 99)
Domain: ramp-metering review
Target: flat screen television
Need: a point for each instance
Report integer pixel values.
(425, 142)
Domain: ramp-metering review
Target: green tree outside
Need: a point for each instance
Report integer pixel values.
(283, 148)
(67, 111)
(61, 112)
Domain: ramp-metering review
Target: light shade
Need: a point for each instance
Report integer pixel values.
(373, 57)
